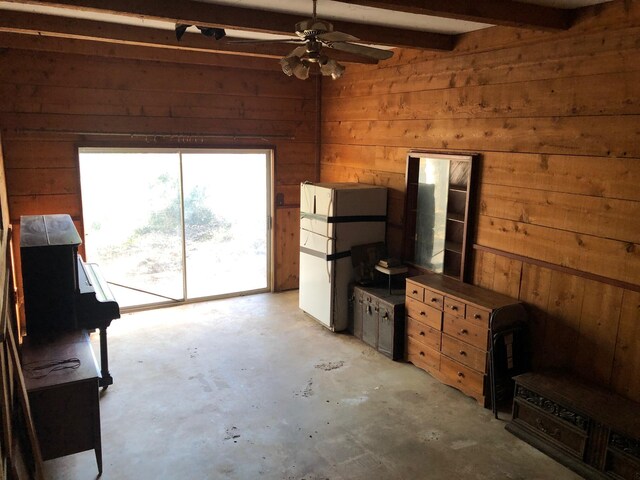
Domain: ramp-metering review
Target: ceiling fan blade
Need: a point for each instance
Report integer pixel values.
(256, 40)
(375, 53)
(336, 37)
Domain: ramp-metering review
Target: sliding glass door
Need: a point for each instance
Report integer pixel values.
(177, 225)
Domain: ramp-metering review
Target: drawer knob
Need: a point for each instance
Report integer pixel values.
(385, 316)
(461, 375)
(422, 354)
(414, 292)
(434, 300)
(423, 313)
(463, 353)
(463, 331)
(422, 334)
(477, 316)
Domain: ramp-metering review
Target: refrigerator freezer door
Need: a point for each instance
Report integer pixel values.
(322, 204)
(316, 206)
(367, 200)
(316, 277)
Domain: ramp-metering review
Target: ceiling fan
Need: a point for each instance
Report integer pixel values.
(314, 35)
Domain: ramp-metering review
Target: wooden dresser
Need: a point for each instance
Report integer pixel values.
(592, 431)
(449, 332)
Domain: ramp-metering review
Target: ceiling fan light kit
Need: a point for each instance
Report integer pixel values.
(314, 35)
(293, 65)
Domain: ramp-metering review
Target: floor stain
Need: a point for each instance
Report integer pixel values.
(308, 390)
(328, 366)
(206, 386)
(231, 433)
(431, 435)
(460, 444)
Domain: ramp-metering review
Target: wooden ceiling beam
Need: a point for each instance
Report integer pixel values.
(495, 12)
(40, 43)
(224, 16)
(80, 29)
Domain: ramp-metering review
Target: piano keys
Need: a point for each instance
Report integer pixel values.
(62, 293)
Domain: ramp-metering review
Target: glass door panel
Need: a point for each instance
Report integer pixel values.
(132, 221)
(225, 213)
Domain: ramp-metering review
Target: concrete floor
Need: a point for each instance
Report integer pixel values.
(251, 388)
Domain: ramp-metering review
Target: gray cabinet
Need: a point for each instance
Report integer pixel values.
(378, 320)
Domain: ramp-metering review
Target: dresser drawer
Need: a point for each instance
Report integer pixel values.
(424, 313)
(422, 333)
(462, 377)
(454, 307)
(569, 438)
(434, 299)
(478, 315)
(421, 356)
(468, 332)
(464, 353)
(415, 291)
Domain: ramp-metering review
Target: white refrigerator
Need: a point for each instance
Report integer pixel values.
(333, 218)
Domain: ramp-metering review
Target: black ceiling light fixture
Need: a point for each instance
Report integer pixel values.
(216, 33)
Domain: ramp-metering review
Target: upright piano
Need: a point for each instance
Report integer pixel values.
(62, 293)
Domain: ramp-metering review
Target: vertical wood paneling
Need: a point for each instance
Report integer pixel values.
(484, 269)
(287, 230)
(563, 326)
(507, 276)
(535, 291)
(598, 330)
(627, 352)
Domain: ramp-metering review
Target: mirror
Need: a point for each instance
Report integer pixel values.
(437, 212)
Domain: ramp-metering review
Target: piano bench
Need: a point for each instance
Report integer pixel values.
(62, 380)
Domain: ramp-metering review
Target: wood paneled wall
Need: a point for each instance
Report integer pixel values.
(47, 92)
(556, 118)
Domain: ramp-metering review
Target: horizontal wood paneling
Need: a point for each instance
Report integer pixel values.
(602, 256)
(616, 136)
(50, 69)
(114, 102)
(48, 99)
(43, 204)
(47, 181)
(582, 175)
(124, 125)
(554, 56)
(586, 95)
(555, 118)
(597, 216)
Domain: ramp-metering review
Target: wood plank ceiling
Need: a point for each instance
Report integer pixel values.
(426, 24)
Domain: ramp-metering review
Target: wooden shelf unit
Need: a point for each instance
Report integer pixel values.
(439, 212)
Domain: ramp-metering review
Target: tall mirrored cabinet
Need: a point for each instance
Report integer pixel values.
(438, 212)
